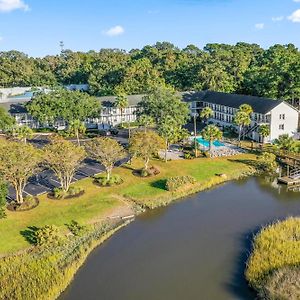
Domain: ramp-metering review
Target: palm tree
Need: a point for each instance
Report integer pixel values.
(23, 133)
(211, 133)
(285, 142)
(206, 113)
(264, 131)
(77, 127)
(246, 108)
(241, 119)
(121, 103)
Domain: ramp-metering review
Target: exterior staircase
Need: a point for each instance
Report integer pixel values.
(249, 130)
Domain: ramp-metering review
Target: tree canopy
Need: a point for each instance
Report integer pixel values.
(63, 104)
(63, 158)
(107, 151)
(18, 161)
(241, 68)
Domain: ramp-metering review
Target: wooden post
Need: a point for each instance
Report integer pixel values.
(288, 171)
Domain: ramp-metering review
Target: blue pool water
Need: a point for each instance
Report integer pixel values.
(23, 96)
(205, 143)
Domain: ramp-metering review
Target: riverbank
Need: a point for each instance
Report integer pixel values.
(98, 204)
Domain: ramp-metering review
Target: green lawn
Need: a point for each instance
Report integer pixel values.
(98, 202)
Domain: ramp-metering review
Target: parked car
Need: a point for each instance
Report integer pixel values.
(104, 132)
(114, 131)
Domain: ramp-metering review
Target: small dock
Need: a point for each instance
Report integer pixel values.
(289, 181)
(292, 178)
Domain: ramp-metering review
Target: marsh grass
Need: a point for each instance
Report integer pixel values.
(44, 272)
(276, 251)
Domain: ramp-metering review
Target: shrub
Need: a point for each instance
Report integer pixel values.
(59, 193)
(76, 228)
(73, 191)
(174, 183)
(48, 235)
(187, 155)
(103, 181)
(267, 162)
(152, 171)
(275, 247)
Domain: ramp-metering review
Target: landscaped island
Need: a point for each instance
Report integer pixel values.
(47, 268)
(274, 266)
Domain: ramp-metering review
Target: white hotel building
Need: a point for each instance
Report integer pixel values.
(279, 115)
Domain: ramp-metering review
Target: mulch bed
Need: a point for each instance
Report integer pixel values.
(152, 171)
(95, 182)
(15, 207)
(51, 196)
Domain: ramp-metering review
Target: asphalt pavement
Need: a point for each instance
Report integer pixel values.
(46, 180)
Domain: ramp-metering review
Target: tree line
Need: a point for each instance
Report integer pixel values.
(241, 68)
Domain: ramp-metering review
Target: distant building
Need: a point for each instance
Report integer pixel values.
(279, 115)
(110, 115)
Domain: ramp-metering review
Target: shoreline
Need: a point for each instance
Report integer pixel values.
(198, 188)
(74, 258)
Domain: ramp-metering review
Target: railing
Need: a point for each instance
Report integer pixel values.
(250, 130)
(295, 174)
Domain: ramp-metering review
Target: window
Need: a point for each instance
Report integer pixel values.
(282, 116)
(281, 127)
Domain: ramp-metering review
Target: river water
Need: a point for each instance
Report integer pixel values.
(193, 249)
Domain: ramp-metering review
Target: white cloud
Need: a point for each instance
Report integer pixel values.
(10, 5)
(260, 26)
(296, 0)
(295, 16)
(278, 19)
(114, 31)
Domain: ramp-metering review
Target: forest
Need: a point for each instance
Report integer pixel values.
(242, 68)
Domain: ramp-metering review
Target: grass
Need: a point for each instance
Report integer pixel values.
(276, 250)
(98, 202)
(45, 271)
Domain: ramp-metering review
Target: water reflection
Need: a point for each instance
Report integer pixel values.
(193, 249)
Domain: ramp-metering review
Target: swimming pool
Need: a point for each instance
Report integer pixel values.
(205, 143)
(26, 95)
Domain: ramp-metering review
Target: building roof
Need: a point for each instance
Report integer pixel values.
(108, 101)
(258, 104)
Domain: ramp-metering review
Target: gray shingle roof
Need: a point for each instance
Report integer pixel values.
(259, 104)
(109, 101)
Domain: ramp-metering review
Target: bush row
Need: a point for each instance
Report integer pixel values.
(174, 183)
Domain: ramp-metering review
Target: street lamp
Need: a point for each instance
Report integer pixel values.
(195, 115)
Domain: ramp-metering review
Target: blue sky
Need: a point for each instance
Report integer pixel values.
(36, 26)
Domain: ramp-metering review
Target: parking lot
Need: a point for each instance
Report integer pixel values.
(46, 180)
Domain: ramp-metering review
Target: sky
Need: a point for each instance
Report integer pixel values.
(37, 26)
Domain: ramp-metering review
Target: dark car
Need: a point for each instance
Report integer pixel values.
(114, 131)
(104, 132)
